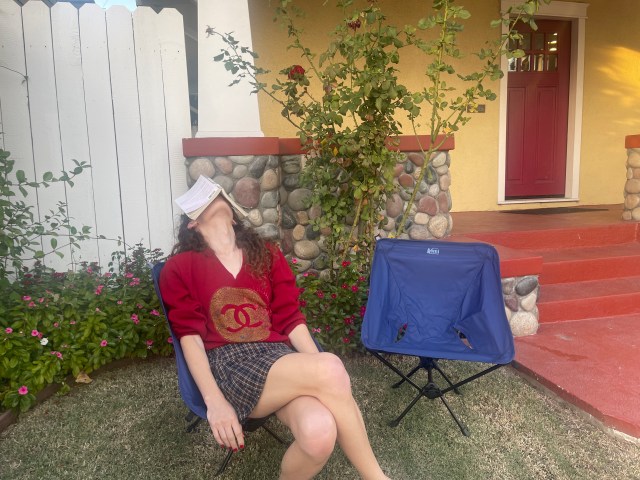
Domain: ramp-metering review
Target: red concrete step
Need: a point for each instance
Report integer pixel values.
(590, 263)
(589, 299)
(590, 363)
(566, 238)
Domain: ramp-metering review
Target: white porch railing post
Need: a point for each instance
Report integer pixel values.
(224, 111)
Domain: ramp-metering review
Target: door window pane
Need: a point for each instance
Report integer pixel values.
(552, 42)
(539, 63)
(524, 63)
(552, 63)
(538, 41)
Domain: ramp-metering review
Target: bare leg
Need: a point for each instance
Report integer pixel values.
(314, 430)
(322, 376)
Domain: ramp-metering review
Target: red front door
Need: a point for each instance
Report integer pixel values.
(537, 112)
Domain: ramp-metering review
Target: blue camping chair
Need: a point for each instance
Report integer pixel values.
(436, 300)
(189, 390)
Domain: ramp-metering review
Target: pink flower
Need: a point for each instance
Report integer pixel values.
(154, 312)
(72, 322)
(363, 309)
(41, 299)
(348, 320)
(346, 263)
(170, 340)
(97, 309)
(316, 330)
(23, 390)
(320, 294)
(107, 275)
(39, 334)
(99, 289)
(59, 355)
(305, 274)
(352, 332)
(135, 319)
(31, 305)
(333, 295)
(26, 298)
(104, 343)
(345, 286)
(128, 275)
(303, 303)
(139, 306)
(89, 270)
(149, 343)
(354, 288)
(327, 327)
(134, 282)
(8, 330)
(361, 279)
(34, 333)
(346, 339)
(56, 325)
(119, 302)
(294, 260)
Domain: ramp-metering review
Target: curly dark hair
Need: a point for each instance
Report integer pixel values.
(257, 252)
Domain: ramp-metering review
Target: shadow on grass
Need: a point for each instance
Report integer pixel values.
(128, 424)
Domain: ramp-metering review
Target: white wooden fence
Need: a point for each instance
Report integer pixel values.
(105, 87)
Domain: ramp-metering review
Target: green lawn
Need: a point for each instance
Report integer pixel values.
(129, 424)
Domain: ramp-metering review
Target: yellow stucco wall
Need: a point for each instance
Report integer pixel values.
(611, 92)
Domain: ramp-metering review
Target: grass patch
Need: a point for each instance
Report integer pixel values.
(129, 424)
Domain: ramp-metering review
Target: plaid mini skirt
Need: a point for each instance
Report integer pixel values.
(241, 369)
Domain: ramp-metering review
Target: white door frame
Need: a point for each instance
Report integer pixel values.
(577, 14)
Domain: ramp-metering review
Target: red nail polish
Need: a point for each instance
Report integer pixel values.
(235, 450)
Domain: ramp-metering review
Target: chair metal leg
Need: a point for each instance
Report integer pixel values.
(396, 385)
(224, 463)
(443, 375)
(194, 423)
(276, 436)
(463, 428)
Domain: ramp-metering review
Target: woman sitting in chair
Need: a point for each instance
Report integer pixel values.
(233, 304)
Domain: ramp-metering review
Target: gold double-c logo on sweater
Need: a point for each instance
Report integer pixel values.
(240, 315)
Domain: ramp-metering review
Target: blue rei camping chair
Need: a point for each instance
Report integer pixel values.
(436, 300)
(189, 390)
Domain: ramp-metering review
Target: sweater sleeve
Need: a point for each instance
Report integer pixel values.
(285, 308)
(186, 316)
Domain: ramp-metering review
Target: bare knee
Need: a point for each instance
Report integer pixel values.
(316, 434)
(332, 376)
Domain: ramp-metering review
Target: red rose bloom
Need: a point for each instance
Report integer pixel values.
(296, 72)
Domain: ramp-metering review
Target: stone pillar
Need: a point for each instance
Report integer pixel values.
(224, 111)
(632, 185)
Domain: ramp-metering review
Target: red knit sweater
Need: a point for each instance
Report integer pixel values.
(203, 298)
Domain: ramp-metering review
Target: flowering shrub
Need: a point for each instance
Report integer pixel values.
(335, 308)
(54, 324)
(349, 102)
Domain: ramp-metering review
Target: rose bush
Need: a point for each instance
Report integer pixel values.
(335, 309)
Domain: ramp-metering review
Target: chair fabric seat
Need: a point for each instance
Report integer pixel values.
(437, 299)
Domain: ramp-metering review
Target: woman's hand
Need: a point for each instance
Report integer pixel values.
(225, 426)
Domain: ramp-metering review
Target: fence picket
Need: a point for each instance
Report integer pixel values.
(45, 128)
(100, 128)
(124, 88)
(176, 94)
(73, 127)
(154, 132)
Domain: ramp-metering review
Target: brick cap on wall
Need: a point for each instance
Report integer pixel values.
(223, 146)
(632, 141)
